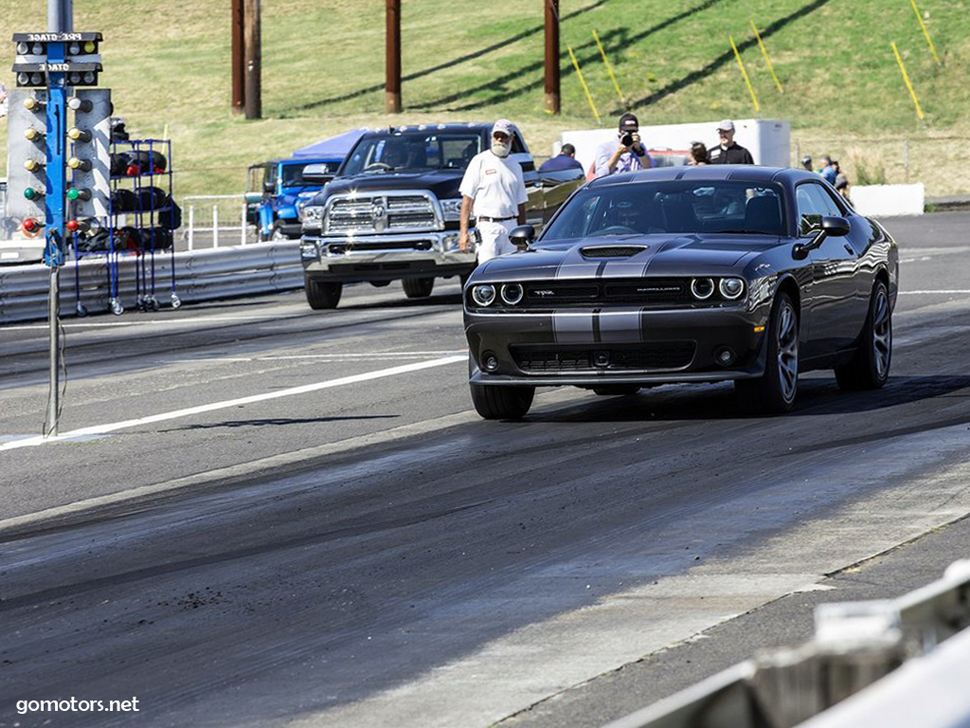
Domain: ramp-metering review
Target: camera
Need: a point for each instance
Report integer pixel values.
(627, 139)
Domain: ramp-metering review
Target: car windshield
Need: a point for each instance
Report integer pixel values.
(671, 206)
(412, 150)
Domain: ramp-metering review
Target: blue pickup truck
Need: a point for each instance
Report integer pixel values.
(277, 188)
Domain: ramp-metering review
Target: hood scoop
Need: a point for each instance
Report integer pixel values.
(612, 251)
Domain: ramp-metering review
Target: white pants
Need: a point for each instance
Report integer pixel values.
(495, 239)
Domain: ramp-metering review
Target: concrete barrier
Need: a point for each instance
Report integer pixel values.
(889, 200)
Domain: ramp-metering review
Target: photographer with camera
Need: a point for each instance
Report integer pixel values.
(629, 156)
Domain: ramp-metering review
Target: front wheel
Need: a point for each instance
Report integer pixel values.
(418, 287)
(869, 367)
(775, 391)
(322, 294)
(501, 402)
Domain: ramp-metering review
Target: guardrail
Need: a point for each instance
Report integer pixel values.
(888, 647)
(91, 285)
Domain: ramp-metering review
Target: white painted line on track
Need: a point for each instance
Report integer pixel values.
(932, 293)
(354, 379)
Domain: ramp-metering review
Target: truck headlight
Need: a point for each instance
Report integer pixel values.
(451, 210)
(313, 215)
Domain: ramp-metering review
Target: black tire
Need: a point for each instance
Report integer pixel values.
(501, 402)
(322, 294)
(418, 287)
(616, 390)
(869, 368)
(776, 390)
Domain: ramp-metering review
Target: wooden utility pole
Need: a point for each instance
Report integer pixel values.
(253, 56)
(238, 63)
(392, 64)
(552, 56)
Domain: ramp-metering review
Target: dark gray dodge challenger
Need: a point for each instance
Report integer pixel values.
(686, 274)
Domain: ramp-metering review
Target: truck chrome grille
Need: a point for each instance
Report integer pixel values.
(378, 213)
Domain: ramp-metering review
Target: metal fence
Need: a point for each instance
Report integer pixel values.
(211, 221)
(97, 284)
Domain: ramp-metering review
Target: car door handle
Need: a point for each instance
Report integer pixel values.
(848, 248)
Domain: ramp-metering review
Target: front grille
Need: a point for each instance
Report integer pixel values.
(364, 214)
(371, 246)
(607, 291)
(664, 356)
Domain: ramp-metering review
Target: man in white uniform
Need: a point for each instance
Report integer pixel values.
(493, 191)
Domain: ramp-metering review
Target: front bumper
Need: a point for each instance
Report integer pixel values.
(620, 345)
(383, 257)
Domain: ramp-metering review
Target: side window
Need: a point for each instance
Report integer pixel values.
(518, 145)
(811, 208)
(826, 201)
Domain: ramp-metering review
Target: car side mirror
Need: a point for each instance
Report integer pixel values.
(269, 187)
(833, 226)
(522, 236)
(836, 227)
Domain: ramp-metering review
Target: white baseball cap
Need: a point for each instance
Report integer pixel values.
(726, 125)
(504, 126)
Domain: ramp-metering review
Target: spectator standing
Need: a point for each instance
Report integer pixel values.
(493, 190)
(841, 180)
(728, 151)
(627, 154)
(698, 154)
(827, 169)
(807, 163)
(566, 159)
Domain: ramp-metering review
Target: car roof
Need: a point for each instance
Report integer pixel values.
(739, 172)
(475, 126)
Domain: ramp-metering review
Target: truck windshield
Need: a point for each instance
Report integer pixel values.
(292, 174)
(412, 151)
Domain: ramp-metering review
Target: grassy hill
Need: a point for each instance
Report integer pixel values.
(167, 63)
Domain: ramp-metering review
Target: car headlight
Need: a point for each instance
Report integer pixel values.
(483, 294)
(512, 293)
(702, 288)
(451, 210)
(731, 288)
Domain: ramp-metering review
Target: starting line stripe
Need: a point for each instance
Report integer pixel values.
(354, 379)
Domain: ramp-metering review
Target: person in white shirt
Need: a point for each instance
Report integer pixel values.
(627, 154)
(493, 192)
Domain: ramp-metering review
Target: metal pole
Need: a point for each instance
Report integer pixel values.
(392, 58)
(53, 313)
(552, 57)
(60, 16)
(238, 57)
(60, 19)
(254, 61)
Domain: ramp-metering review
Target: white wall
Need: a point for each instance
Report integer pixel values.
(768, 140)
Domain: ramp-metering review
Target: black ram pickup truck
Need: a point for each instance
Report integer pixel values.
(392, 211)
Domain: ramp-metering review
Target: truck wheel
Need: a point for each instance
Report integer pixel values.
(418, 287)
(500, 402)
(322, 294)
